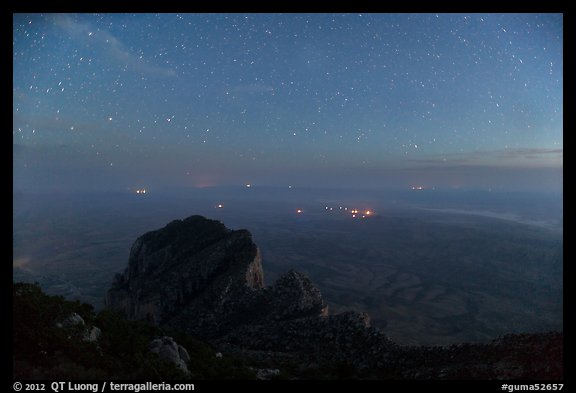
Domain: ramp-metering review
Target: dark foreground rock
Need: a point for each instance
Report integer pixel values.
(168, 349)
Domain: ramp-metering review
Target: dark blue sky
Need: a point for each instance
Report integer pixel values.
(119, 101)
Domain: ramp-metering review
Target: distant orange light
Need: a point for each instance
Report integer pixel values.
(368, 212)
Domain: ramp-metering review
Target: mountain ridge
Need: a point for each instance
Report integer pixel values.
(197, 276)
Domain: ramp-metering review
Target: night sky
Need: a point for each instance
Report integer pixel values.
(122, 101)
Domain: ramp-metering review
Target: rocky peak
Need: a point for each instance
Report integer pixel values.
(294, 295)
(193, 264)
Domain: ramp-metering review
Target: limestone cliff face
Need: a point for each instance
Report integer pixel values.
(202, 278)
(196, 266)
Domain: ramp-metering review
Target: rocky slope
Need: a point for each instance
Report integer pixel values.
(58, 339)
(197, 276)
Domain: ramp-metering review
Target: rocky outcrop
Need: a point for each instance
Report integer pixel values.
(73, 320)
(266, 373)
(295, 296)
(86, 333)
(168, 349)
(194, 273)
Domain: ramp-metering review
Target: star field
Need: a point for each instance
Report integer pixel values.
(127, 100)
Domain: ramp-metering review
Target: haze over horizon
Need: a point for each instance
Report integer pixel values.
(128, 101)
